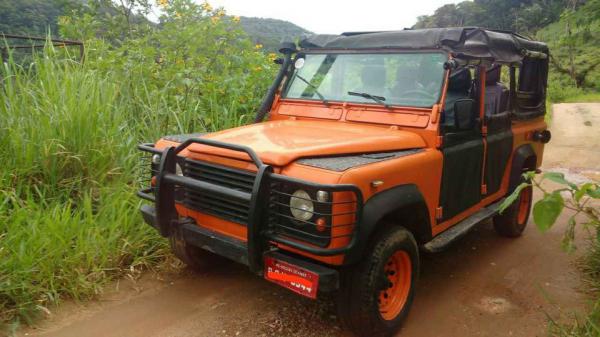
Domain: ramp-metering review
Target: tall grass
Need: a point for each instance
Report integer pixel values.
(69, 219)
(589, 325)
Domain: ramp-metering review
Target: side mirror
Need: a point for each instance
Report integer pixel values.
(464, 118)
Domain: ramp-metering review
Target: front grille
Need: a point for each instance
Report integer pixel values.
(222, 207)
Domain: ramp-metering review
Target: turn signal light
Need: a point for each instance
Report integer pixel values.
(321, 224)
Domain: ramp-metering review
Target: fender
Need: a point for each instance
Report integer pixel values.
(522, 158)
(403, 201)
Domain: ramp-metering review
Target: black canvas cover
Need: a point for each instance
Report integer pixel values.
(472, 42)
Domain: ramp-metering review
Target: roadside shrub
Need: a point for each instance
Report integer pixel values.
(69, 219)
(583, 201)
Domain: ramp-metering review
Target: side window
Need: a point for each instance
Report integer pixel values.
(460, 85)
(530, 93)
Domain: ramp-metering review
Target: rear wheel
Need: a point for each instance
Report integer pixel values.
(194, 257)
(513, 220)
(376, 295)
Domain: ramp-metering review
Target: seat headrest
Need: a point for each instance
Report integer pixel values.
(460, 80)
(373, 75)
(493, 75)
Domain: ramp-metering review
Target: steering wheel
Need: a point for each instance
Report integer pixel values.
(420, 92)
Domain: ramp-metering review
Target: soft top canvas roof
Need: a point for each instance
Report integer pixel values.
(466, 42)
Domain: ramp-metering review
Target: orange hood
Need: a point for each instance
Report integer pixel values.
(281, 142)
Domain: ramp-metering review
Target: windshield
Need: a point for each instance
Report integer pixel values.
(409, 79)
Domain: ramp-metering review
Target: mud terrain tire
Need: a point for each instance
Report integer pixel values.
(513, 220)
(392, 266)
(194, 257)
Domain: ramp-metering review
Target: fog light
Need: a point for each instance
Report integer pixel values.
(156, 159)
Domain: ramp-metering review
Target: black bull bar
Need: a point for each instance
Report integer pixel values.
(258, 235)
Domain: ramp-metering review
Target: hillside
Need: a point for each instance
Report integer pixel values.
(37, 17)
(571, 29)
(271, 32)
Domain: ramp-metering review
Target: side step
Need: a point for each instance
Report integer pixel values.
(443, 240)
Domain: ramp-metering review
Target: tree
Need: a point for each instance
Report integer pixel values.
(33, 17)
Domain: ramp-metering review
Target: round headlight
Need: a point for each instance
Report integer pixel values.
(178, 170)
(156, 159)
(301, 205)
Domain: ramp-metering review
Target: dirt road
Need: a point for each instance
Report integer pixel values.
(483, 286)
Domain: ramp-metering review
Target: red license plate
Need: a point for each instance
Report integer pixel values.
(299, 280)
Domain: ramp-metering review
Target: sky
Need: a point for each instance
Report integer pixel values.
(336, 16)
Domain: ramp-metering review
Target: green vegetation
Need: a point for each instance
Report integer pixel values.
(33, 17)
(583, 203)
(38, 17)
(68, 211)
(271, 32)
(68, 134)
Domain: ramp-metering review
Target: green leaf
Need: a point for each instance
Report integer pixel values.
(529, 175)
(583, 190)
(512, 197)
(594, 193)
(558, 177)
(547, 210)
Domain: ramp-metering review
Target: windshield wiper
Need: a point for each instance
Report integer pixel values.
(378, 99)
(314, 87)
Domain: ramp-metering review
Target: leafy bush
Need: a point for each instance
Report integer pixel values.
(582, 201)
(69, 217)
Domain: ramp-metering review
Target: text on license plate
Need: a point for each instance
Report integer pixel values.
(299, 280)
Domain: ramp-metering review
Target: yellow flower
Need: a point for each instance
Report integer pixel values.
(258, 46)
(215, 19)
(220, 13)
(163, 3)
(177, 14)
(206, 6)
(236, 19)
(259, 68)
(272, 56)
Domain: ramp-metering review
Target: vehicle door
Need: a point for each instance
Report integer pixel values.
(462, 147)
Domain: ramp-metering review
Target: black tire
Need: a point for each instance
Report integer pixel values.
(360, 289)
(194, 257)
(512, 222)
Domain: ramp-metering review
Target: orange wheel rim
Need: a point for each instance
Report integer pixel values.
(398, 272)
(524, 201)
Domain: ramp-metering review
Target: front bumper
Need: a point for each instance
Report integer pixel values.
(236, 250)
(262, 233)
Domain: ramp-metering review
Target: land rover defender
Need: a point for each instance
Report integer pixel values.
(368, 149)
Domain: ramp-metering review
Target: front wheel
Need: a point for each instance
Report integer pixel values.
(513, 220)
(376, 295)
(194, 257)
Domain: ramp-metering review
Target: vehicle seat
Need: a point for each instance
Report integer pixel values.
(406, 80)
(373, 80)
(459, 85)
(496, 93)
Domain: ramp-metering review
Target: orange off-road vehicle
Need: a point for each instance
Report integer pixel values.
(368, 148)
